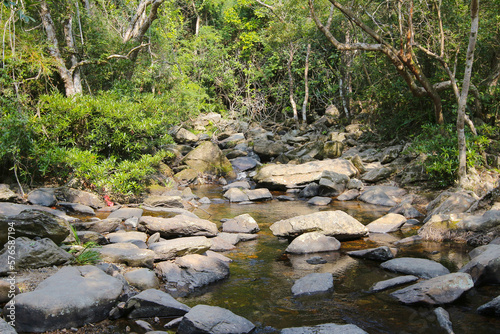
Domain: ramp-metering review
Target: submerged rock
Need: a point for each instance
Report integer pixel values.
(383, 253)
(154, 303)
(491, 308)
(325, 329)
(312, 284)
(414, 266)
(393, 282)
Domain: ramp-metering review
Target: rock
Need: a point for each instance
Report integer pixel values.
(244, 163)
(442, 227)
(241, 224)
(332, 149)
(448, 202)
(208, 158)
(488, 220)
(164, 201)
(485, 267)
(187, 175)
(232, 140)
(32, 254)
(268, 149)
(79, 196)
(128, 254)
(6, 195)
(358, 163)
(312, 284)
(236, 195)
(408, 241)
(332, 184)
(145, 325)
(12, 210)
(154, 303)
(393, 282)
(311, 190)
(221, 245)
(178, 226)
(376, 196)
(237, 184)
(390, 154)
(313, 242)
(407, 210)
(169, 249)
(213, 320)
(169, 211)
(72, 297)
(436, 291)
(283, 176)
(413, 173)
(284, 198)
(99, 226)
(142, 279)
(325, 329)
(127, 236)
(205, 201)
(491, 308)
(183, 136)
(6, 328)
(354, 184)
(332, 223)
(261, 194)
(232, 238)
(391, 222)
(316, 260)
(43, 196)
(76, 208)
(191, 272)
(443, 319)
(8, 288)
(383, 253)
(126, 213)
(348, 195)
(32, 224)
(414, 266)
(319, 201)
(377, 174)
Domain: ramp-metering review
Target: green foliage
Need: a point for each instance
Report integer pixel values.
(440, 146)
(84, 253)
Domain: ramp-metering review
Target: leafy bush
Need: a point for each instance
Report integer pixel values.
(440, 145)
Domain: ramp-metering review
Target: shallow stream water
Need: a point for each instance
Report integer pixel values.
(259, 287)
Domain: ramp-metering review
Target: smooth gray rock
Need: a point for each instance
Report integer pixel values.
(491, 308)
(443, 319)
(311, 190)
(6, 328)
(127, 253)
(164, 201)
(376, 196)
(332, 183)
(142, 279)
(191, 272)
(319, 201)
(72, 297)
(407, 210)
(485, 267)
(488, 220)
(414, 266)
(244, 163)
(178, 226)
(169, 249)
(237, 184)
(43, 196)
(204, 319)
(126, 236)
(261, 194)
(236, 195)
(77, 208)
(377, 174)
(241, 224)
(126, 213)
(436, 291)
(393, 282)
(383, 253)
(332, 223)
(154, 303)
(32, 254)
(313, 242)
(71, 195)
(221, 245)
(348, 195)
(391, 222)
(325, 329)
(99, 226)
(312, 284)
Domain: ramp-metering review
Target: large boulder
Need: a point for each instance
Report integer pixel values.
(333, 149)
(142, 279)
(31, 254)
(178, 226)
(376, 196)
(332, 183)
(191, 272)
(283, 176)
(76, 208)
(448, 202)
(244, 163)
(391, 222)
(33, 223)
(261, 194)
(312, 284)
(436, 291)
(491, 308)
(332, 223)
(313, 242)
(204, 319)
(267, 149)
(169, 249)
(241, 224)
(423, 268)
(324, 329)
(79, 196)
(72, 297)
(154, 303)
(127, 253)
(485, 266)
(43, 196)
(236, 195)
(208, 158)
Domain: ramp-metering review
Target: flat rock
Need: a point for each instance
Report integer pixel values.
(154, 303)
(214, 320)
(332, 223)
(485, 267)
(142, 279)
(164, 201)
(391, 222)
(261, 194)
(423, 268)
(436, 291)
(43, 197)
(72, 297)
(393, 282)
(126, 213)
(491, 308)
(127, 236)
(319, 201)
(383, 253)
(99, 226)
(235, 195)
(169, 211)
(244, 163)
(325, 329)
(237, 184)
(169, 249)
(127, 253)
(178, 226)
(32, 254)
(348, 195)
(377, 197)
(13, 209)
(312, 284)
(79, 196)
(77, 208)
(313, 242)
(241, 224)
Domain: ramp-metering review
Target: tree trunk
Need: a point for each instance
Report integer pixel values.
(290, 82)
(462, 148)
(306, 84)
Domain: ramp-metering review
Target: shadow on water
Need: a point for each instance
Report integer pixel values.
(259, 287)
